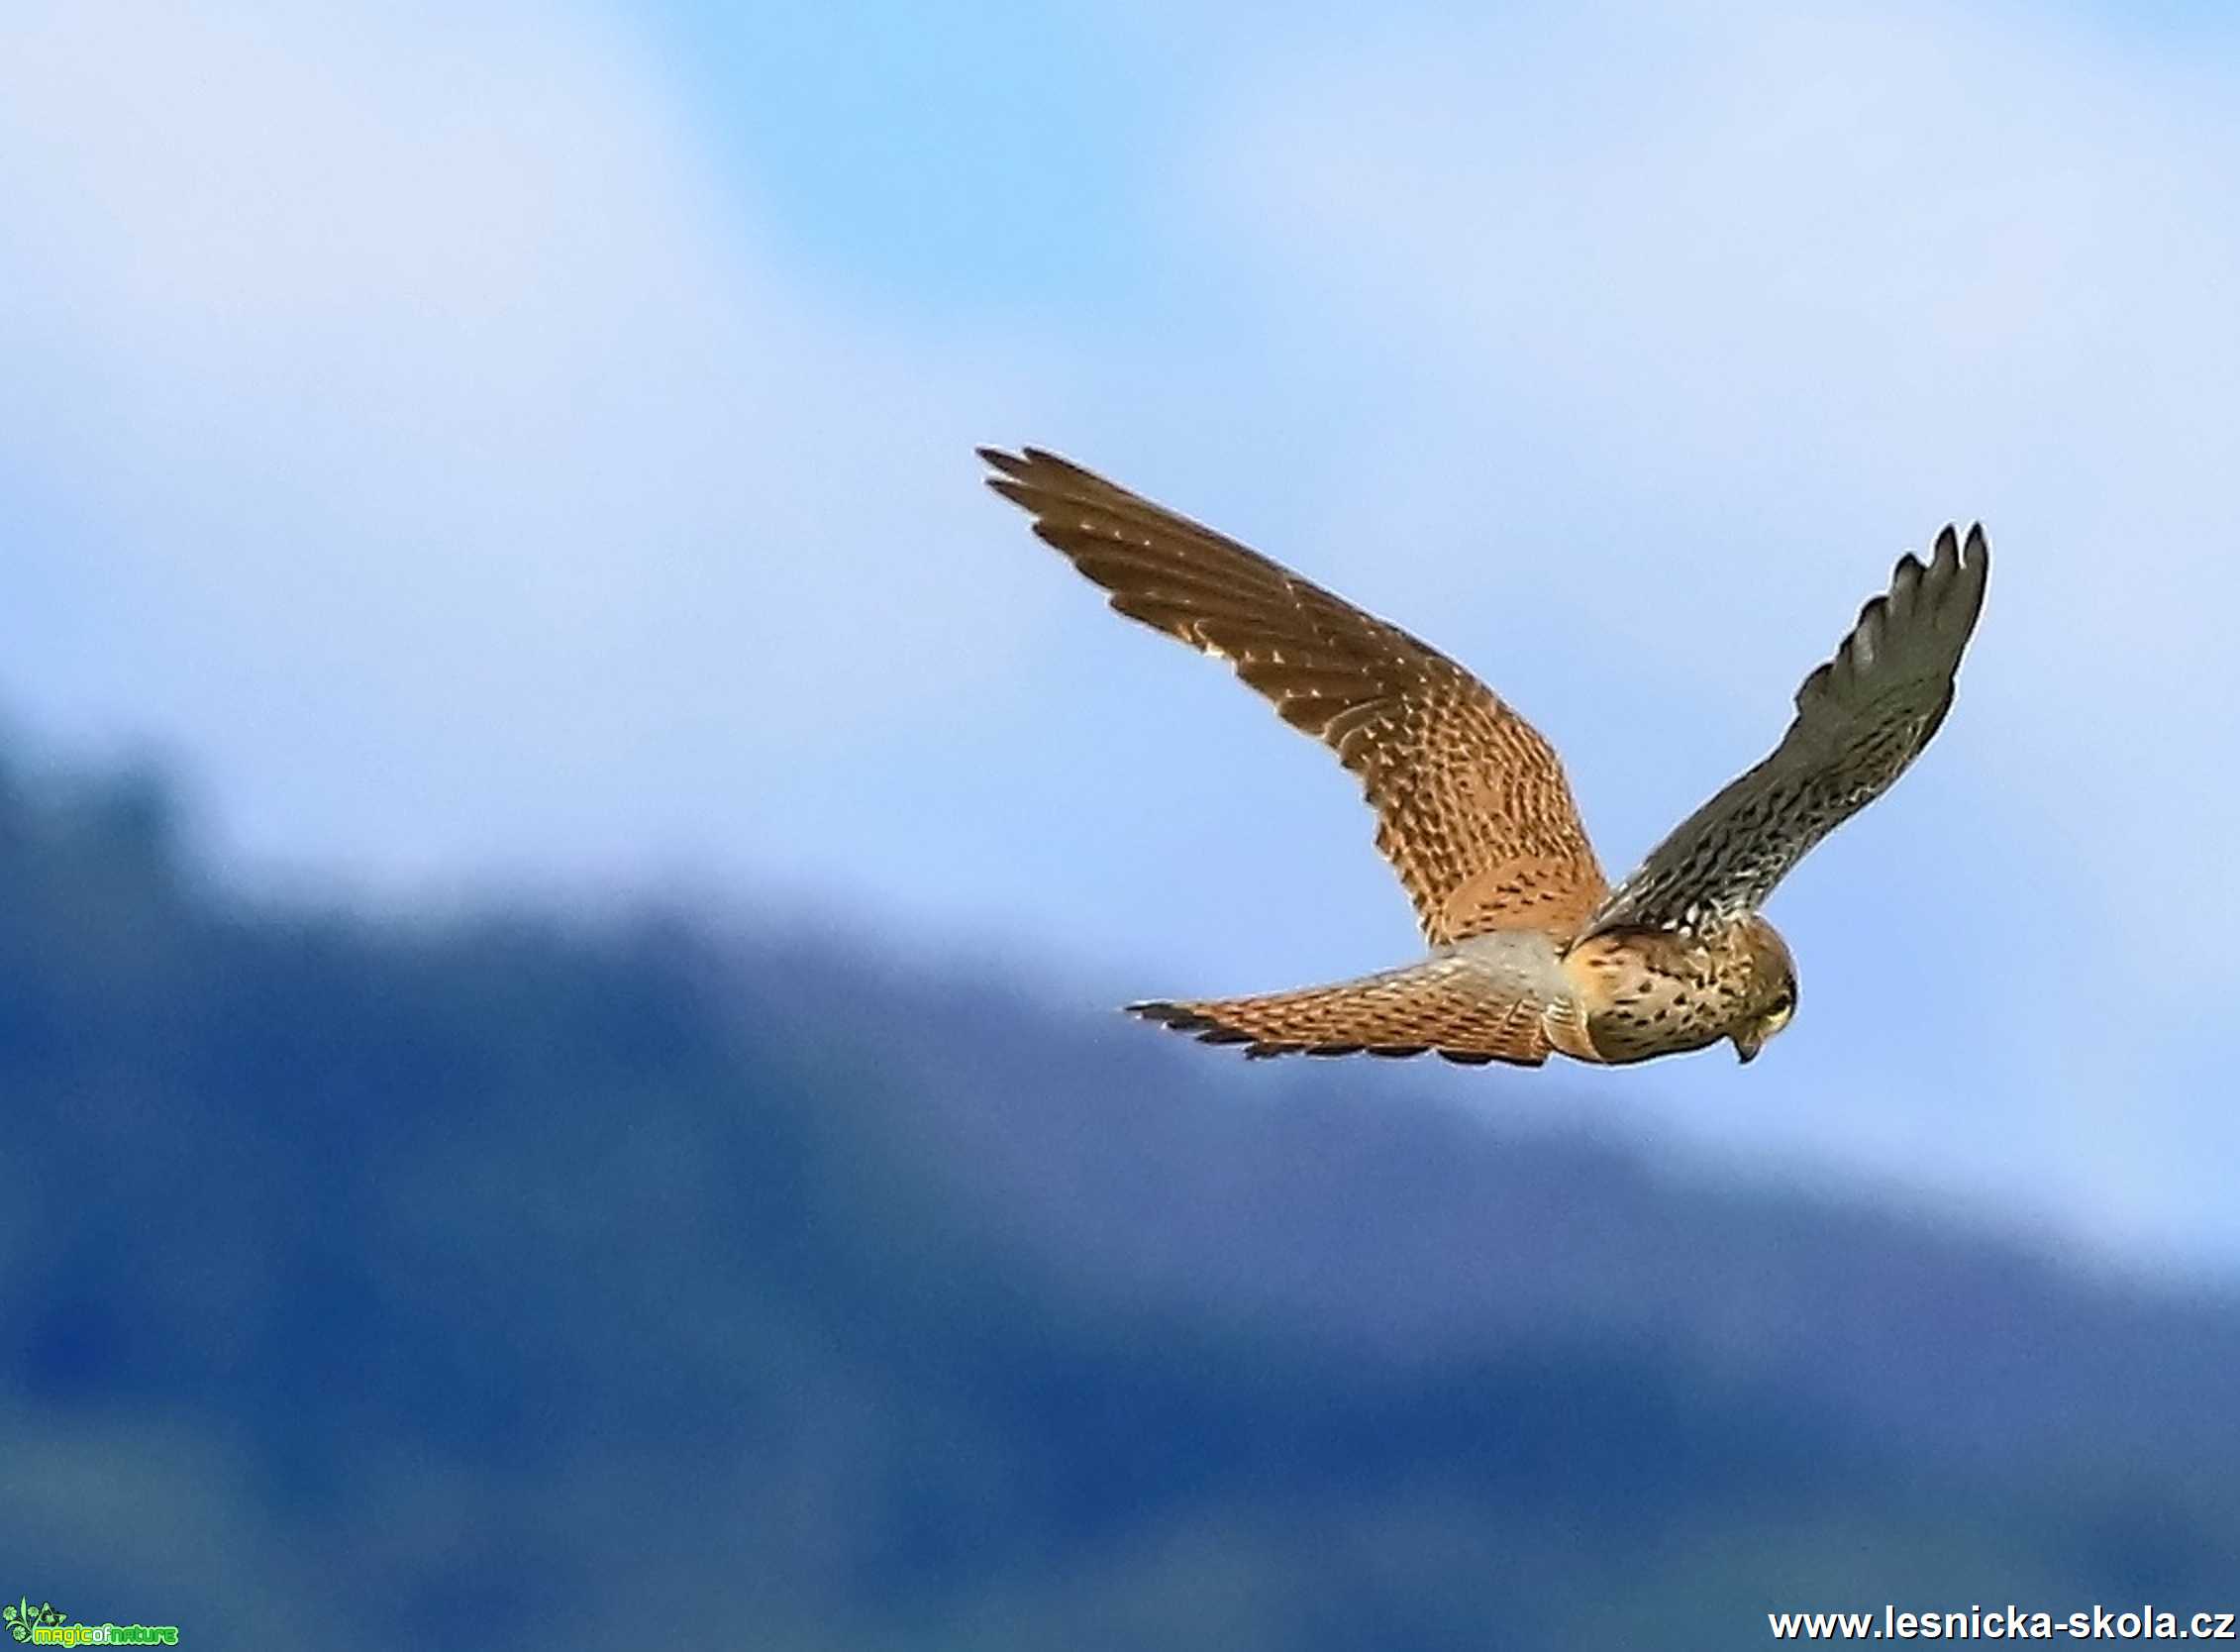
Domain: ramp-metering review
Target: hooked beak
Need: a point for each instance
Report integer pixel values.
(1747, 1044)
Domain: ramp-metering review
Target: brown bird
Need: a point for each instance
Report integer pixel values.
(1532, 951)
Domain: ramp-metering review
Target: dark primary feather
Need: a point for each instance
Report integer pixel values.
(1860, 719)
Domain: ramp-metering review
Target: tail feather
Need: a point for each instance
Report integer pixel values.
(1446, 1004)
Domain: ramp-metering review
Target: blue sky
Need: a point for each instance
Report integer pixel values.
(532, 444)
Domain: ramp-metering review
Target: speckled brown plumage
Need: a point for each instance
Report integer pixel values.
(1472, 810)
(1532, 952)
(1475, 1002)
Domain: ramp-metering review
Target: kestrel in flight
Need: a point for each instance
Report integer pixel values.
(1531, 949)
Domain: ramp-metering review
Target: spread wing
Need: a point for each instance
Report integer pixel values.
(1861, 718)
(1472, 808)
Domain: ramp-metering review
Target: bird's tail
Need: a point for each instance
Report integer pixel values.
(1449, 1004)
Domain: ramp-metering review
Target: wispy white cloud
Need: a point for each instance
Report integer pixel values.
(444, 468)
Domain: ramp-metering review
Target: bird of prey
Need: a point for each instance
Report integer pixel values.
(1532, 952)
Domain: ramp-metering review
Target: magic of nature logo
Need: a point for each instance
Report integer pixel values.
(42, 1625)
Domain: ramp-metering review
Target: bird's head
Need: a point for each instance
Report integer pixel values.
(1768, 994)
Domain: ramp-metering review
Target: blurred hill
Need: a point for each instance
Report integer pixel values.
(567, 1283)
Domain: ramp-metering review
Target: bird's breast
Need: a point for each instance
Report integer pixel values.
(1635, 997)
